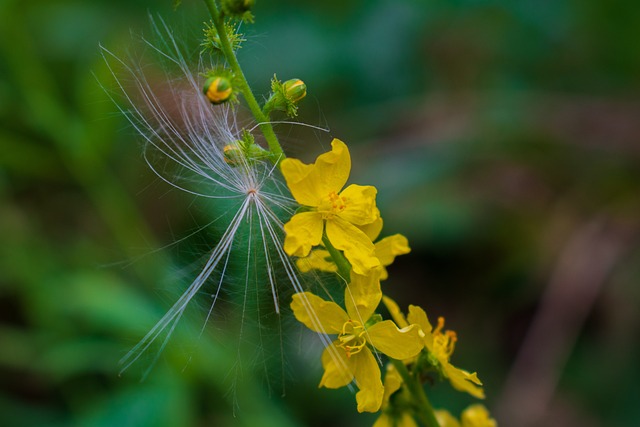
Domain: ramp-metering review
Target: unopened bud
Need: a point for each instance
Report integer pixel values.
(217, 89)
(237, 7)
(285, 96)
(295, 90)
(232, 154)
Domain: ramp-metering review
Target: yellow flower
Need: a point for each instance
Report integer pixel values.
(474, 416)
(388, 248)
(445, 419)
(349, 357)
(477, 416)
(402, 420)
(439, 344)
(392, 383)
(338, 213)
(318, 259)
(386, 251)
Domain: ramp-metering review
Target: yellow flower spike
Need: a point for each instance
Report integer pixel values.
(477, 416)
(318, 186)
(350, 357)
(441, 345)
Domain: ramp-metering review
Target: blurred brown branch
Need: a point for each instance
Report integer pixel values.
(581, 272)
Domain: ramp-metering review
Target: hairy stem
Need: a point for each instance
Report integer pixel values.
(424, 410)
(275, 150)
(344, 268)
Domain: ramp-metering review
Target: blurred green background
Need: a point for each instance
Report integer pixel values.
(504, 139)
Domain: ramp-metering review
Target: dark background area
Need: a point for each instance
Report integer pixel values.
(503, 137)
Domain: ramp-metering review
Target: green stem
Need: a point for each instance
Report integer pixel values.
(421, 403)
(344, 268)
(276, 153)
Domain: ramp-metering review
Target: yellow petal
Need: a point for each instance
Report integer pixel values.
(406, 420)
(373, 229)
(357, 247)
(360, 202)
(445, 419)
(395, 312)
(463, 381)
(318, 259)
(392, 383)
(385, 420)
(418, 316)
(396, 343)
(477, 416)
(317, 314)
(388, 248)
(362, 295)
(338, 368)
(310, 183)
(367, 375)
(296, 174)
(393, 420)
(303, 231)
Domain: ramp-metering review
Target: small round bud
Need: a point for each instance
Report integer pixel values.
(237, 7)
(217, 89)
(295, 90)
(232, 154)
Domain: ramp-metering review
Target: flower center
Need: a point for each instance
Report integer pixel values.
(352, 337)
(333, 204)
(443, 343)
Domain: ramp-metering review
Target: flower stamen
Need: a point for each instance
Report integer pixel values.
(352, 338)
(334, 204)
(443, 343)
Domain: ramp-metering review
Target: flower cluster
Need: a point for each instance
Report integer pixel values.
(335, 230)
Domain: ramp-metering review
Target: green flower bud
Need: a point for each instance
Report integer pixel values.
(295, 90)
(217, 89)
(285, 96)
(233, 154)
(237, 7)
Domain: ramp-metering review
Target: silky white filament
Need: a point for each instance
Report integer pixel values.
(182, 126)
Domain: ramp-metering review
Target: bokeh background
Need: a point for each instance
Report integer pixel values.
(504, 138)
